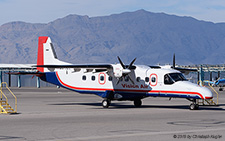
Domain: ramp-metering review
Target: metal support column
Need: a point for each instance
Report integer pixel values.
(9, 85)
(198, 76)
(38, 82)
(210, 76)
(201, 76)
(218, 75)
(0, 77)
(19, 81)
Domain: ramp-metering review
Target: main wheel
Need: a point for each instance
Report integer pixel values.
(105, 103)
(194, 106)
(137, 103)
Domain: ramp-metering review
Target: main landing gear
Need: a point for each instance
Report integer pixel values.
(193, 105)
(106, 103)
(137, 103)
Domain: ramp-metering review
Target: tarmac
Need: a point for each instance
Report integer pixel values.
(58, 114)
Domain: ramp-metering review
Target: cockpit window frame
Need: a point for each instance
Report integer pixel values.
(168, 80)
(171, 78)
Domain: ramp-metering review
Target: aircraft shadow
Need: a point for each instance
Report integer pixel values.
(126, 106)
(11, 138)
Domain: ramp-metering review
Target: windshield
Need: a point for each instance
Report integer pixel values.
(173, 77)
(177, 77)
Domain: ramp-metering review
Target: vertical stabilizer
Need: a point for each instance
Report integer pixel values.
(46, 54)
(40, 55)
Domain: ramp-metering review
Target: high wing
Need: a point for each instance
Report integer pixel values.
(106, 66)
(185, 70)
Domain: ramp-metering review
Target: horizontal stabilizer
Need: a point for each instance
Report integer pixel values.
(39, 74)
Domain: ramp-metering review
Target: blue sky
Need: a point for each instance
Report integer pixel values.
(44, 11)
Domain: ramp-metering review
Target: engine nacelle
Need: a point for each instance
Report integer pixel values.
(117, 70)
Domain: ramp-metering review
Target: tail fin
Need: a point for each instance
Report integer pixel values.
(46, 54)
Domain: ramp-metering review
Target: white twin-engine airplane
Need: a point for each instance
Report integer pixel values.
(116, 81)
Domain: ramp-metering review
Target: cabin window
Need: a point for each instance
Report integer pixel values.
(102, 78)
(168, 80)
(153, 79)
(146, 79)
(84, 77)
(110, 78)
(138, 79)
(93, 78)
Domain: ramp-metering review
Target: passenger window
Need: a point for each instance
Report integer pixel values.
(167, 80)
(110, 78)
(93, 78)
(102, 78)
(153, 79)
(146, 79)
(138, 79)
(83, 77)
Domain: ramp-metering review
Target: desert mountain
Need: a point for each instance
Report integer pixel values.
(151, 37)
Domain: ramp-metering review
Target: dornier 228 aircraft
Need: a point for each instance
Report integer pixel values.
(116, 81)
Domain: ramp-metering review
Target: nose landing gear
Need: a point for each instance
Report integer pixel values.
(193, 105)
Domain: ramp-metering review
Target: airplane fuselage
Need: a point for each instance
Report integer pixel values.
(147, 82)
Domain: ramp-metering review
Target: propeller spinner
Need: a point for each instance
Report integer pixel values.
(126, 70)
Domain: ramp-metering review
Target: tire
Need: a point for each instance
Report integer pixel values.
(137, 103)
(105, 103)
(194, 106)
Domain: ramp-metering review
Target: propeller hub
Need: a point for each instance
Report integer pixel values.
(126, 71)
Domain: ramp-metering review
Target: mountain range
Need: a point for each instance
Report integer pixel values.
(152, 38)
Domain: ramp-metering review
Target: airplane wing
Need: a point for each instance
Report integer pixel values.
(107, 66)
(183, 70)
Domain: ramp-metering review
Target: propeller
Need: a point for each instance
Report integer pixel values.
(174, 63)
(183, 70)
(126, 70)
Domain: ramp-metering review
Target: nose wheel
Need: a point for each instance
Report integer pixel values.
(194, 106)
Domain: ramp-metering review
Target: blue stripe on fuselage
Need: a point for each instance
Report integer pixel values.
(52, 78)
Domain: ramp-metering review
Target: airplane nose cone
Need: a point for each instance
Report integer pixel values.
(206, 93)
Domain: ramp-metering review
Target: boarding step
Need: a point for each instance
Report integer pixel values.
(6, 108)
(206, 102)
(4, 100)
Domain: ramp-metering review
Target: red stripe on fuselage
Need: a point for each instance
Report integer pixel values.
(128, 90)
(40, 56)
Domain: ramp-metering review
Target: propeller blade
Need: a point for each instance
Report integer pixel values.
(174, 63)
(120, 79)
(121, 63)
(131, 63)
(130, 79)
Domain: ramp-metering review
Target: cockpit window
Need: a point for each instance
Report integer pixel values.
(177, 77)
(173, 77)
(167, 79)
